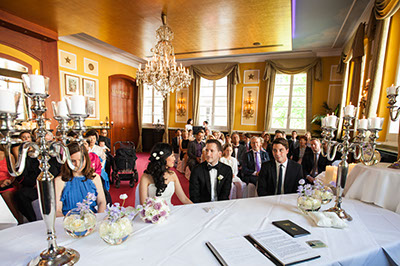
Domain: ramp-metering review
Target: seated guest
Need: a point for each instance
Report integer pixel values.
(210, 180)
(175, 142)
(72, 186)
(102, 144)
(246, 139)
(293, 143)
(93, 147)
(191, 137)
(253, 160)
(279, 134)
(280, 175)
(24, 136)
(299, 152)
(238, 150)
(227, 159)
(313, 162)
(8, 187)
(228, 139)
(308, 136)
(158, 178)
(195, 149)
(267, 146)
(103, 133)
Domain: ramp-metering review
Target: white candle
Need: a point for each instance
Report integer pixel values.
(331, 121)
(7, 101)
(392, 90)
(36, 83)
(375, 123)
(62, 109)
(349, 110)
(363, 124)
(78, 105)
(323, 122)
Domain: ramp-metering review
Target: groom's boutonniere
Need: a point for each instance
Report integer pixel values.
(220, 177)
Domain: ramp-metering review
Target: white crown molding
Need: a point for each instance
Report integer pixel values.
(93, 45)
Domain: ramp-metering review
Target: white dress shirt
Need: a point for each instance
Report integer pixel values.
(283, 174)
(213, 180)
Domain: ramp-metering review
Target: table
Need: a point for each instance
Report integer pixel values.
(375, 184)
(6, 218)
(370, 239)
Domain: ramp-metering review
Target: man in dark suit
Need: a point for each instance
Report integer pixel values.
(313, 162)
(195, 150)
(239, 150)
(280, 175)
(211, 180)
(104, 133)
(175, 144)
(253, 160)
(293, 143)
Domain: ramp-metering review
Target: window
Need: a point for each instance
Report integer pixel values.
(152, 106)
(15, 84)
(289, 103)
(213, 102)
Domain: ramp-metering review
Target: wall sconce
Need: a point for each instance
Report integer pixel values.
(181, 111)
(248, 110)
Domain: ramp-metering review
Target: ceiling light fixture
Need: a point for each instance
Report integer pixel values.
(161, 71)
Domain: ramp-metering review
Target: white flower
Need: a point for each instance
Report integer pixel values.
(157, 158)
(154, 154)
(220, 177)
(161, 152)
(123, 196)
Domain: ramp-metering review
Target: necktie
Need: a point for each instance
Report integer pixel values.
(280, 176)
(209, 166)
(315, 167)
(258, 165)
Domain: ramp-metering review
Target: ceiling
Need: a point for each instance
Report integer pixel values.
(202, 29)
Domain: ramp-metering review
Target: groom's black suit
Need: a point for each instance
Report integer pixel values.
(200, 184)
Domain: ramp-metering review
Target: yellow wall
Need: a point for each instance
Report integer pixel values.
(107, 67)
(21, 56)
(321, 89)
(389, 72)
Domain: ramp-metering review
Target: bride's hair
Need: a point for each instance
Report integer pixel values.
(158, 165)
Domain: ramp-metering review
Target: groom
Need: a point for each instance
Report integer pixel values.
(211, 180)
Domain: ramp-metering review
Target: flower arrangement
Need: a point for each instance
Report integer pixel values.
(154, 210)
(307, 200)
(81, 221)
(117, 226)
(324, 192)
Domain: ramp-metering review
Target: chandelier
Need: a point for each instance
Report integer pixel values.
(162, 72)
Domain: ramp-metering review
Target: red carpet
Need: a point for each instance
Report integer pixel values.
(141, 164)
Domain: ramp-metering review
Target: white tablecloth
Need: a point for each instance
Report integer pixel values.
(370, 239)
(6, 218)
(375, 184)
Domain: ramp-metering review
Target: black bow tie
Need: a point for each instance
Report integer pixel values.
(209, 167)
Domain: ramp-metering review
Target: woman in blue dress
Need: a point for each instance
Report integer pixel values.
(73, 186)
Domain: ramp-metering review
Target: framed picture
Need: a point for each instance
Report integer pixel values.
(89, 88)
(67, 59)
(251, 76)
(71, 85)
(92, 108)
(91, 67)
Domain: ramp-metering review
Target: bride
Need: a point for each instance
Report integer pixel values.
(158, 180)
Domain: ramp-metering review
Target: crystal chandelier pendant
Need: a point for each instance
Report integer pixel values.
(162, 72)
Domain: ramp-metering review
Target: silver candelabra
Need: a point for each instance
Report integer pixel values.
(43, 150)
(361, 149)
(394, 110)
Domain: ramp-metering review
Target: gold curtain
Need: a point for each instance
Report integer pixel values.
(312, 66)
(139, 146)
(385, 8)
(357, 55)
(166, 118)
(214, 72)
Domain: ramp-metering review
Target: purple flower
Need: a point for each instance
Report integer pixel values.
(163, 213)
(143, 213)
(308, 192)
(332, 183)
(157, 206)
(155, 218)
(302, 181)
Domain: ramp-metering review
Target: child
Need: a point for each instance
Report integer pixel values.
(102, 144)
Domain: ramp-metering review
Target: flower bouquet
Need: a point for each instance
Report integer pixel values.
(117, 225)
(323, 192)
(307, 200)
(154, 210)
(81, 221)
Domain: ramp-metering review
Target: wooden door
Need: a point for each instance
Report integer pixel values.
(123, 108)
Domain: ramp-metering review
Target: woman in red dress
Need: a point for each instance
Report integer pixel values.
(7, 188)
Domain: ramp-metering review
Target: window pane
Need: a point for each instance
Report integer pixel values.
(282, 79)
(221, 91)
(278, 122)
(281, 102)
(206, 82)
(282, 90)
(222, 82)
(147, 110)
(298, 101)
(205, 110)
(299, 90)
(205, 101)
(297, 124)
(206, 91)
(300, 78)
(147, 119)
(220, 121)
(279, 112)
(298, 113)
(220, 111)
(221, 101)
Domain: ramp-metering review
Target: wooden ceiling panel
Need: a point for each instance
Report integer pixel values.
(201, 28)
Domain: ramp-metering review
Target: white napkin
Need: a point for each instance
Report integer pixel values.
(327, 219)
